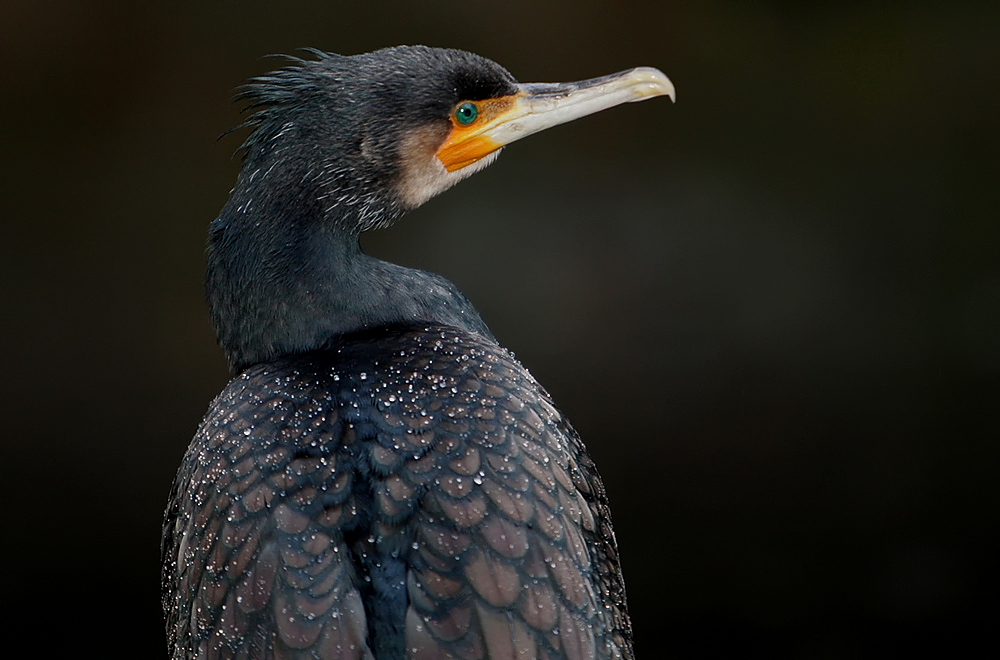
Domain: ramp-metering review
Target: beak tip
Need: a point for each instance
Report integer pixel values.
(653, 82)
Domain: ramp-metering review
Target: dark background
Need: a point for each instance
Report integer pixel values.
(772, 309)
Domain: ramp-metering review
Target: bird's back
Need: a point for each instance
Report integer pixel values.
(408, 493)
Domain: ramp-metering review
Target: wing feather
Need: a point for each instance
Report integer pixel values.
(408, 493)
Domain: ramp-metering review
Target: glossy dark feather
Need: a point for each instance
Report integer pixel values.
(412, 493)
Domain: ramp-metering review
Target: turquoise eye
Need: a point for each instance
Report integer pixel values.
(466, 113)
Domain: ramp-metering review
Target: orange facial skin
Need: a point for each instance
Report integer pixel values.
(467, 143)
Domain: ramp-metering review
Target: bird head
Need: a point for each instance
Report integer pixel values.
(370, 136)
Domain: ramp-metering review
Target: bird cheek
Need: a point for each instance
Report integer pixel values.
(421, 175)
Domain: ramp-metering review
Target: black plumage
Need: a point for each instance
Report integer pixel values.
(381, 479)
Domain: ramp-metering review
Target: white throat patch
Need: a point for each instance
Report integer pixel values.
(423, 175)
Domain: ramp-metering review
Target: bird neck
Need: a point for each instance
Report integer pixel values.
(286, 274)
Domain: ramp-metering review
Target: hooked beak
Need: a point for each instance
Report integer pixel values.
(537, 106)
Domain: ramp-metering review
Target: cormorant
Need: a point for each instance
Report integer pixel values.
(380, 479)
